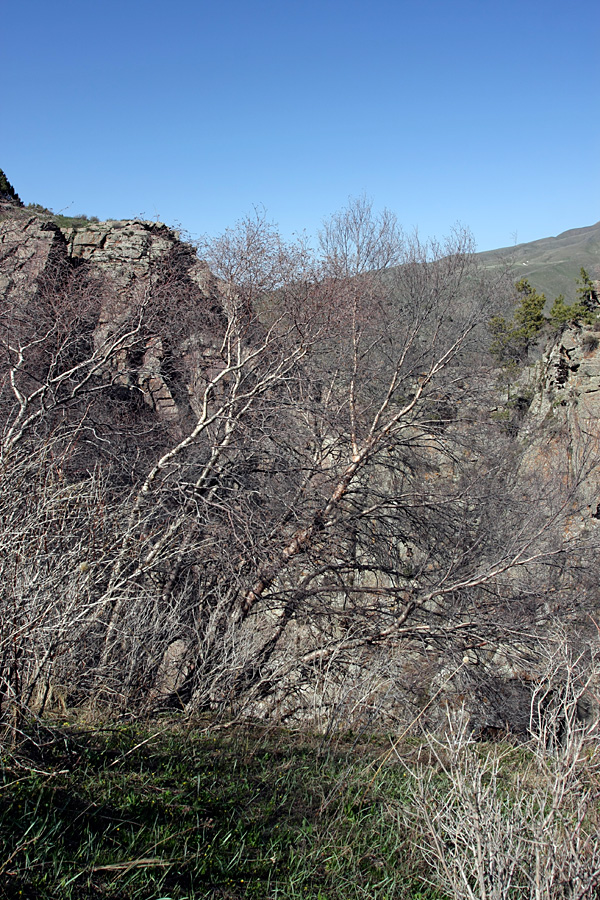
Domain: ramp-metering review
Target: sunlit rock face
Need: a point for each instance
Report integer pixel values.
(132, 249)
(31, 249)
(570, 375)
(561, 433)
(132, 262)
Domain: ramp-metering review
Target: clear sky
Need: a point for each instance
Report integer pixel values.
(481, 112)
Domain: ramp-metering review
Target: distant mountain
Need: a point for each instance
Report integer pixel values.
(552, 264)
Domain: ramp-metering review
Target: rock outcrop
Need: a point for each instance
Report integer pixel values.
(563, 422)
(128, 259)
(130, 250)
(569, 376)
(30, 250)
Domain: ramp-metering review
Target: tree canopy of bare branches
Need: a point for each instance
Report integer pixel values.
(268, 491)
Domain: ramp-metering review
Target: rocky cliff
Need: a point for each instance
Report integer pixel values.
(126, 259)
(569, 376)
(563, 421)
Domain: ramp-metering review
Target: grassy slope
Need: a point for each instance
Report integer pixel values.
(180, 812)
(552, 264)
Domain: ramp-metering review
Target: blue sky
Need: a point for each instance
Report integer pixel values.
(482, 113)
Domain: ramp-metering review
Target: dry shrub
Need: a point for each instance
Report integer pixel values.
(497, 821)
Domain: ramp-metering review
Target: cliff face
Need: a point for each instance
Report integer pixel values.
(129, 250)
(122, 250)
(562, 424)
(127, 259)
(30, 249)
(570, 377)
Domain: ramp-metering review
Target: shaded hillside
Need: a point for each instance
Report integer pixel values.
(551, 264)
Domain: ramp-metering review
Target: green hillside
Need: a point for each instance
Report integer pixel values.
(552, 264)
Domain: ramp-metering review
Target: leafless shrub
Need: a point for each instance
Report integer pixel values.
(495, 821)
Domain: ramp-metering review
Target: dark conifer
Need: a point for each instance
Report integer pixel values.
(7, 191)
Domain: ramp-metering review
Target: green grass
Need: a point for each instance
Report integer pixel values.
(73, 221)
(79, 221)
(185, 813)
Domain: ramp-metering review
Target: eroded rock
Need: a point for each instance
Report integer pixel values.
(31, 250)
(134, 261)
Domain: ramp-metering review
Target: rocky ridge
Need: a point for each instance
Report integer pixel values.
(561, 427)
(569, 375)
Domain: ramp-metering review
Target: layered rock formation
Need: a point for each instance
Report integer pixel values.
(128, 258)
(569, 375)
(30, 249)
(563, 421)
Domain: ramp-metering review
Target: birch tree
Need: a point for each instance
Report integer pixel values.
(321, 493)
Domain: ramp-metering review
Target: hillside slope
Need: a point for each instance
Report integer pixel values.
(552, 264)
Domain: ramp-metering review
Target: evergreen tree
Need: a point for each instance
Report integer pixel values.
(587, 292)
(529, 315)
(512, 338)
(561, 313)
(7, 191)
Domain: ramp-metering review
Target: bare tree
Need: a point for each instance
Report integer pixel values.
(287, 473)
